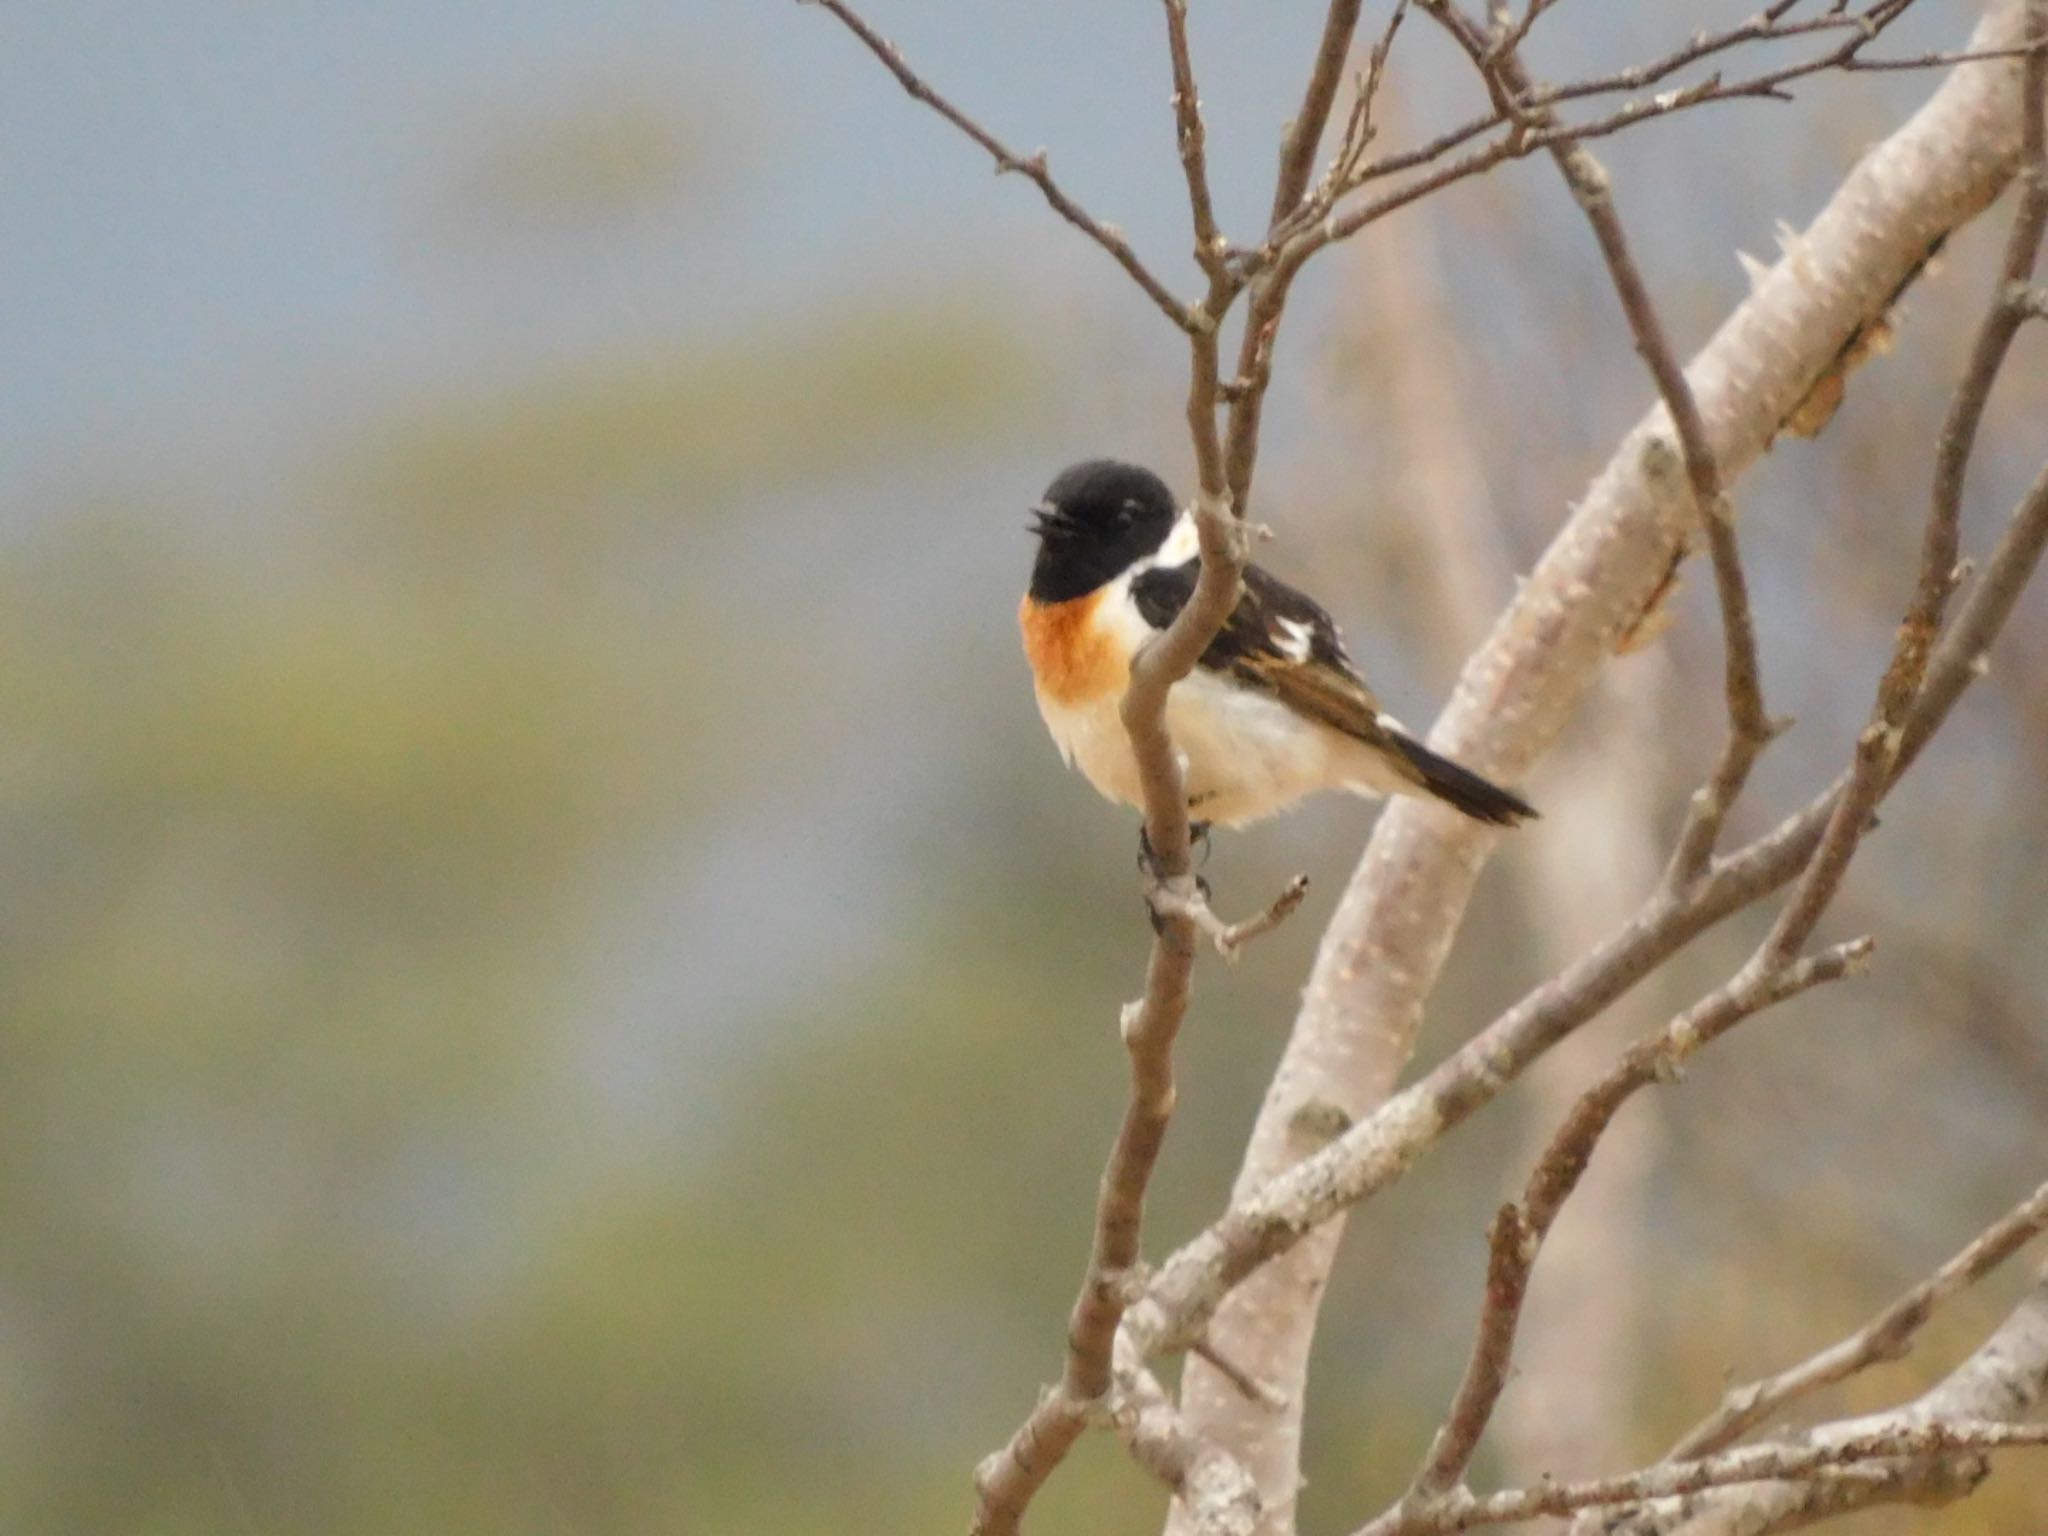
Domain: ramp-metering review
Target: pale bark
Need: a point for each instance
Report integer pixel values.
(1579, 882)
(1393, 927)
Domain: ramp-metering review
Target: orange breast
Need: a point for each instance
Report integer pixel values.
(1073, 656)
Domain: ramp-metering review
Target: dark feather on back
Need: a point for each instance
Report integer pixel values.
(1255, 649)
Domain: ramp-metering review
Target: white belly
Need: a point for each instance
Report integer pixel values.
(1245, 755)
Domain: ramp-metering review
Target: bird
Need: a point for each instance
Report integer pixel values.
(1272, 712)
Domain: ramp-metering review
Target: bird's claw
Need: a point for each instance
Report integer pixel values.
(1198, 848)
(1158, 889)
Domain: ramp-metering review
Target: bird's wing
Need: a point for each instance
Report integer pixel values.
(1277, 640)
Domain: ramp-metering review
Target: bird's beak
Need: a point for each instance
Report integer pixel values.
(1047, 520)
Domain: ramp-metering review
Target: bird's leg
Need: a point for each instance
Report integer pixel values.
(1149, 862)
(1198, 847)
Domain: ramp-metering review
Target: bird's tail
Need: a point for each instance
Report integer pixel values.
(1459, 787)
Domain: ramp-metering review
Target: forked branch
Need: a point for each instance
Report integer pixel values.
(1887, 1336)
(1034, 167)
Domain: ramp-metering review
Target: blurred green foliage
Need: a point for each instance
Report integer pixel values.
(662, 430)
(303, 1225)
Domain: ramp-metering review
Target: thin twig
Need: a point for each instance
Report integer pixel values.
(1192, 139)
(1462, 1510)
(1878, 747)
(1887, 1336)
(1230, 938)
(1512, 38)
(1212, 254)
(1034, 167)
(1510, 1247)
(2002, 320)
(1940, 60)
(1305, 132)
(1244, 1381)
(1749, 725)
(1858, 31)
(2002, 1380)
(1520, 140)
(1518, 1231)
(1862, 30)
(1357, 137)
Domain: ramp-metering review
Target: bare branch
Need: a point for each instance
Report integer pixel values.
(1212, 253)
(1887, 1336)
(1524, 138)
(1034, 167)
(1749, 726)
(1461, 1510)
(1192, 138)
(2003, 1380)
(1305, 133)
(1518, 1232)
(1217, 1493)
(1308, 221)
(1938, 60)
(1511, 1252)
(1860, 30)
(1231, 938)
(1357, 137)
(1006, 1482)
(2008, 311)
(1635, 78)
(1878, 747)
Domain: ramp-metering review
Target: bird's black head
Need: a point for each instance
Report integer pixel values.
(1095, 520)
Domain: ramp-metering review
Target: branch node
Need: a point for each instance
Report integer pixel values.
(1129, 1017)
(1126, 1284)
(1319, 1120)
(1662, 464)
(1181, 896)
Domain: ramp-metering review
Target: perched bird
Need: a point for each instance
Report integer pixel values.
(1272, 712)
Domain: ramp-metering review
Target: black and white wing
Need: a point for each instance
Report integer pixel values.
(1277, 640)
(1280, 641)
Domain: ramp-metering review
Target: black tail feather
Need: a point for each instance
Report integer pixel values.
(1462, 789)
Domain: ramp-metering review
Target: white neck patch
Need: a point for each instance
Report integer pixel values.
(1182, 544)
